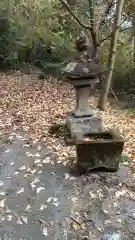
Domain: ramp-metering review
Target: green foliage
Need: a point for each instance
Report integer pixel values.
(42, 33)
(124, 74)
(8, 54)
(125, 160)
(37, 32)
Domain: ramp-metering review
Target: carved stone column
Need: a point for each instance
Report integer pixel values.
(82, 107)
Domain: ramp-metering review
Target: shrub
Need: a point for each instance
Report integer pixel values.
(8, 52)
(33, 32)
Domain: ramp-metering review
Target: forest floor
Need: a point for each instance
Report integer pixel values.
(38, 196)
(32, 106)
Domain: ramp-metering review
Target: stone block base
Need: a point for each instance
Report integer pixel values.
(101, 154)
(97, 151)
(85, 125)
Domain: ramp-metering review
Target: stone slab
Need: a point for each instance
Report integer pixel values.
(85, 124)
(88, 112)
(83, 82)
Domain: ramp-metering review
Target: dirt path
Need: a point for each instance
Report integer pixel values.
(39, 199)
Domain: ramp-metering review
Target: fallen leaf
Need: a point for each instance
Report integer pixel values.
(49, 199)
(33, 171)
(47, 160)
(19, 221)
(45, 231)
(9, 217)
(16, 173)
(42, 207)
(21, 190)
(36, 180)
(24, 219)
(33, 186)
(26, 145)
(76, 226)
(39, 189)
(56, 204)
(2, 193)
(1, 184)
(22, 168)
(12, 163)
(28, 207)
(67, 176)
(37, 161)
(2, 203)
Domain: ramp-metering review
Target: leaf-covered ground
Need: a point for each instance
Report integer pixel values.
(38, 197)
(32, 105)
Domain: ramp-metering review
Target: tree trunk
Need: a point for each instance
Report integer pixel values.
(133, 33)
(111, 58)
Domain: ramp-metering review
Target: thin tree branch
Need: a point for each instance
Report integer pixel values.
(107, 11)
(121, 30)
(116, 98)
(74, 16)
(109, 36)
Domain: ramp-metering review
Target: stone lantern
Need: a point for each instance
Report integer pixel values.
(96, 148)
(83, 74)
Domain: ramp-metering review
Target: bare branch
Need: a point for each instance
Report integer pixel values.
(109, 36)
(107, 11)
(74, 16)
(121, 30)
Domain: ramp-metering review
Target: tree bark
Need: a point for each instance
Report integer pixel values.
(133, 33)
(111, 57)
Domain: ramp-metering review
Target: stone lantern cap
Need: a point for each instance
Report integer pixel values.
(79, 73)
(83, 70)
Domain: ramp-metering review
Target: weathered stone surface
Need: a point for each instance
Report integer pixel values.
(105, 152)
(83, 82)
(84, 124)
(82, 108)
(83, 69)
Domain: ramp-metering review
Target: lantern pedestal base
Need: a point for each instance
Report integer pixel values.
(83, 124)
